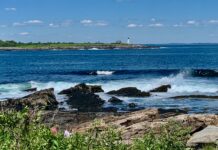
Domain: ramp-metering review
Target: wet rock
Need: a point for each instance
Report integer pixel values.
(62, 109)
(41, 99)
(207, 136)
(82, 97)
(164, 113)
(163, 88)
(31, 90)
(130, 92)
(83, 87)
(133, 124)
(109, 109)
(195, 96)
(132, 105)
(115, 100)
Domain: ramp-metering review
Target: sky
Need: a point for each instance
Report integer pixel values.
(144, 21)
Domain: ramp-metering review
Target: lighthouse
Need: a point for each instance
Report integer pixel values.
(128, 40)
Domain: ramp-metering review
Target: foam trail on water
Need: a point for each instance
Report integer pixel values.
(105, 72)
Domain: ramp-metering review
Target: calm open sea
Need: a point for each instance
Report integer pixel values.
(190, 69)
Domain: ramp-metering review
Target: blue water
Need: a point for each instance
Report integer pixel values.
(190, 69)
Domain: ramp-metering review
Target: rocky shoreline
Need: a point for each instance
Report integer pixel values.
(132, 124)
(85, 98)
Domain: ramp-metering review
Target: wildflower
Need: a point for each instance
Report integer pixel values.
(67, 133)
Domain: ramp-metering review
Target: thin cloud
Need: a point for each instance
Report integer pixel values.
(178, 25)
(66, 23)
(192, 22)
(33, 22)
(213, 21)
(101, 24)
(89, 22)
(153, 19)
(156, 25)
(29, 22)
(10, 9)
(52, 25)
(3, 26)
(18, 24)
(132, 25)
(86, 21)
(24, 33)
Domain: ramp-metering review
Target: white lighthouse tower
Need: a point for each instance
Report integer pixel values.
(128, 40)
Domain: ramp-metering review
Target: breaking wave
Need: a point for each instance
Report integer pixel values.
(164, 72)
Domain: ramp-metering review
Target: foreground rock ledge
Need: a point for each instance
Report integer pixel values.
(207, 136)
(134, 124)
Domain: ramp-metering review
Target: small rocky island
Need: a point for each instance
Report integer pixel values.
(13, 45)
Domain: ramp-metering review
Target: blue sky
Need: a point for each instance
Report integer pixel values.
(144, 21)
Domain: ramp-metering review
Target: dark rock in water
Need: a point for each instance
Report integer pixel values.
(31, 90)
(195, 96)
(90, 88)
(42, 99)
(109, 109)
(83, 98)
(83, 87)
(130, 92)
(115, 100)
(61, 103)
(85, 101)
(164, 113)
(205, 73)
(163, 88)
(61, 109)
(132, 105)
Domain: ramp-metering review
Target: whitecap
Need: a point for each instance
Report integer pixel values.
(105, 72)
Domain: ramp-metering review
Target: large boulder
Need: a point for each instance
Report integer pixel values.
(115, 100)
(83, 87)
(207, 136)
(83, 98)
(41, 99)
(132, 105)
(163, 88)
(130, 92)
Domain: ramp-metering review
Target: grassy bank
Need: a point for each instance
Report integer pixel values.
(59, 45)
(23, 131)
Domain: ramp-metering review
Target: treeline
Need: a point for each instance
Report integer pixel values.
(12, 43)
(8, 43)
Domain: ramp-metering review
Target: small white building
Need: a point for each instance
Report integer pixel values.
(128, 40)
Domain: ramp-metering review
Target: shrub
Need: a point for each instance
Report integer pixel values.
(23, 131)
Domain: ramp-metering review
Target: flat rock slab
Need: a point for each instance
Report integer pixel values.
(207, 136)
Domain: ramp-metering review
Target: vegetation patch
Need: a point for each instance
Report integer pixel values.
(24, 131)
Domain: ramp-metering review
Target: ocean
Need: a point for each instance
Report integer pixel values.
(189, 69)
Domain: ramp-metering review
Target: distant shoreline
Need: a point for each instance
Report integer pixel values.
(81, 48)
(72, 46)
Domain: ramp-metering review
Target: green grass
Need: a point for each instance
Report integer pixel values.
(24, 131)
(50, 45)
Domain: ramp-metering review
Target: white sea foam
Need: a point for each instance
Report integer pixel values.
(180, 85)
(105, 72)
(94, 48)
